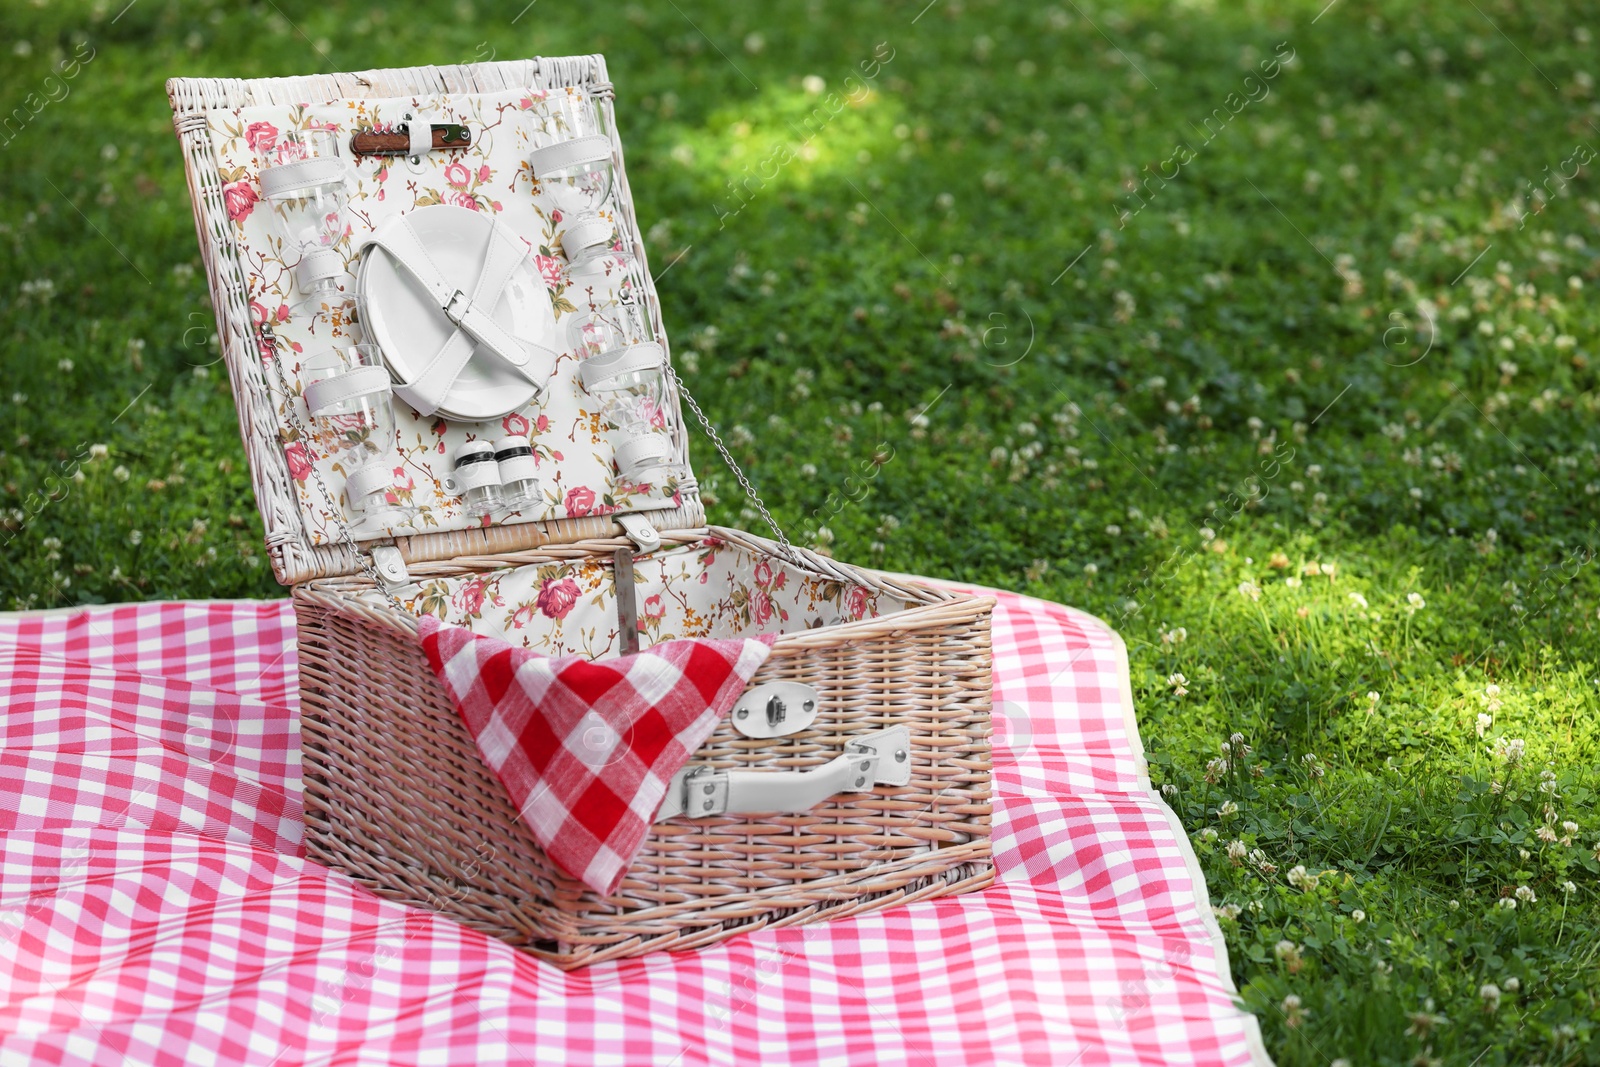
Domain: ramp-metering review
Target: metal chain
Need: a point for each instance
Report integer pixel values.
(343, 530)
(738, 472)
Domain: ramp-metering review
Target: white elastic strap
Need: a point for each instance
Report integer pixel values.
(639, 454)
(285, 179)
(472, 316)
(366, 480)
(421, 133)
(322, 397)
(563, 154)
(586, 236)
(597, 370)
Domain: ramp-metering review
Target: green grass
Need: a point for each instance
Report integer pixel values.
(1240, 355)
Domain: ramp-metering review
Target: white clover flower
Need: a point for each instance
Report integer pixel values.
(1491, 690)
(1569, 826)
(1359, 601)
(1510, 750)
(1416, 601)
(1526, 895)
(1513, 984)
(1507, 903)
(98, 451)
(120, 473)
(1250, 590)
(1547, 835)
(1568, 887)
(1236, 851)
(1490, 994)
(1209, 834)
(1169, 790)
(1297, 876)
(1228, 809)
(1229, 912)
(1485, 720)
(1285, 949)
(135, 537)
(1091, 569)
(1358, 915)
(1454, 905)
(1372, 697)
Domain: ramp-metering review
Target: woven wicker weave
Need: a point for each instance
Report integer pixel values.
(396, 792)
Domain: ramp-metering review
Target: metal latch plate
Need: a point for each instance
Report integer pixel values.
(776, 709)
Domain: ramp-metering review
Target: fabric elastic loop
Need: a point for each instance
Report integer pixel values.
(586, 235)
(563, 154)
(322, 397)
(364, 481)
(285, 179)
(639, 453)
(597, 371)
(421, 137)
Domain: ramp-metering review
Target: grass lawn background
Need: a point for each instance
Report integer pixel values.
(1312, 422)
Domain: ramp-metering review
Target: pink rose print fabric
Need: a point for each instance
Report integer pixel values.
(573, 446)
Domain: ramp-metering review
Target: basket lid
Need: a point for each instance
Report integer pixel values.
(273, 320)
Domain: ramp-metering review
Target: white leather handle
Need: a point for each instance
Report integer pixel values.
(882, 758)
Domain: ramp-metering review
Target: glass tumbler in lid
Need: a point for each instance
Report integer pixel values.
(348, 394)
(624, 367)
(304, 179)
(573, 166)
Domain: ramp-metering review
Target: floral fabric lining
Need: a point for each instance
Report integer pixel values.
(707, 589)
(570, 440)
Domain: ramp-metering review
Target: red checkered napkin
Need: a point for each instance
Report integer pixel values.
(586, 750)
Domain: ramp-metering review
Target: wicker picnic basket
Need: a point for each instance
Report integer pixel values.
(396, 793)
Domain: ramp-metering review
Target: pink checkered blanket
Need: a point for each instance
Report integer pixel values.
(156, 906)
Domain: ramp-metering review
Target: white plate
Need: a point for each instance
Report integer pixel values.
(406, 323)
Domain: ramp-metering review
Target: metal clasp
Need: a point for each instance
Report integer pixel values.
(451, 311)
(390, 565)
(776, 711)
